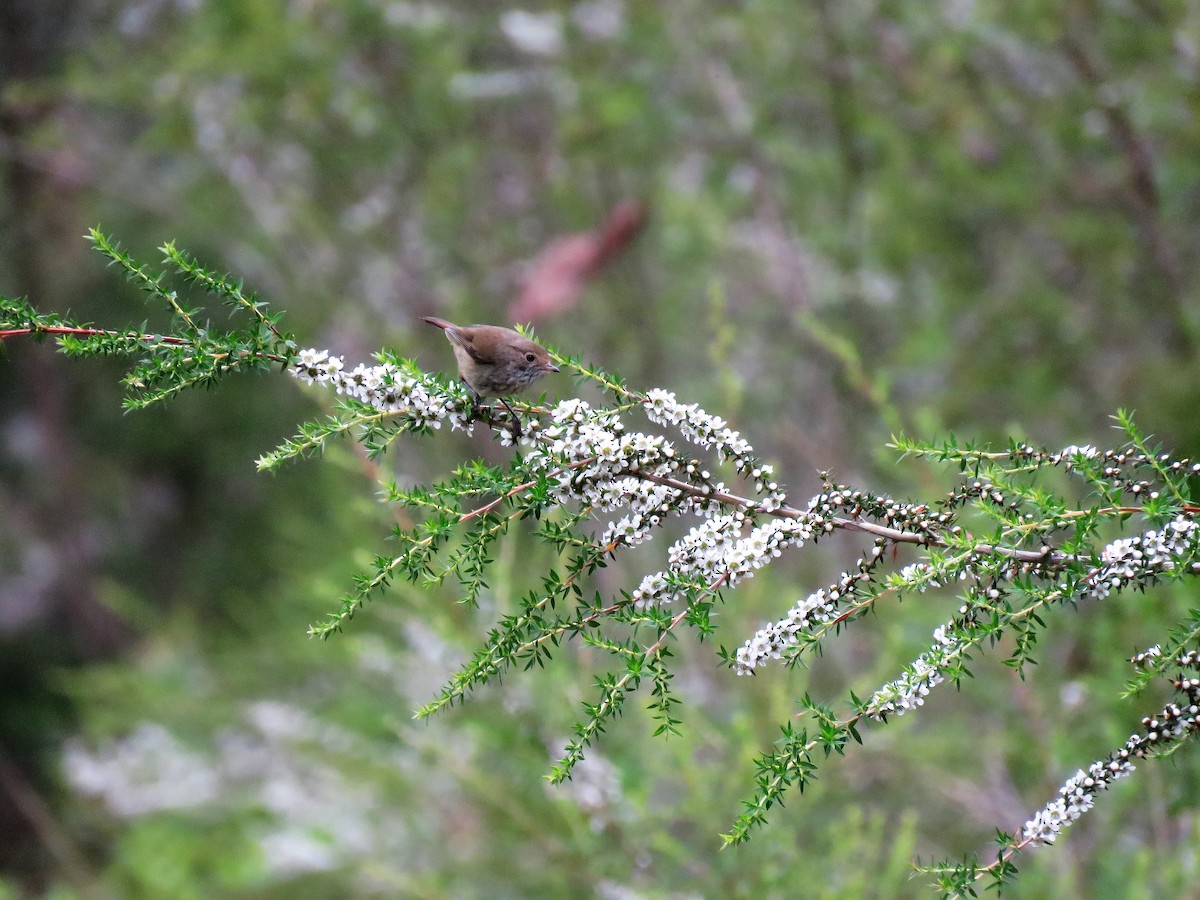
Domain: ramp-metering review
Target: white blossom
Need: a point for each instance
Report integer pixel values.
(1074, 799)
(596, 463)
(910, 690)
(1142, 557)
(770, 642)
(706, 430)
(919, 575)
(384, 387)
(714, 552)
(149, 770)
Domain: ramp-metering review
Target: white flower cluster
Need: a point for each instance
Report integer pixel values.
(270, 763)
(148, 771)
(919, 575)
(1172, 724)
(647, 503)
(1147, 656)
(714, 551)
(711, 431)
(910, 690)
(1074, 799)
(384, 387)
(1135, 559)
(1125, 561)
(595, 461)
(813, 611)
(1087, 451)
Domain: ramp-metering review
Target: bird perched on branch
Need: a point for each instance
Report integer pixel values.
(495, 361)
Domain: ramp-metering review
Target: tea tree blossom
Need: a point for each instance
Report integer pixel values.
(1022, 536)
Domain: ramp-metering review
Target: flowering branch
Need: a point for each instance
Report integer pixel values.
(1023, 533)
(193, 354)
(1037, 556)
(1162, 734)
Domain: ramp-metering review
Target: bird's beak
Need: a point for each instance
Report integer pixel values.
(551, 367)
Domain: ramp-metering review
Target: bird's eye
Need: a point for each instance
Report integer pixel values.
(529, 357)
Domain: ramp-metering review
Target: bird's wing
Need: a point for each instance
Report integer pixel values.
(468, 344)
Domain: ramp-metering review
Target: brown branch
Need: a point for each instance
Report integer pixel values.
(149, 339)
(1046, 554)
(94, 332)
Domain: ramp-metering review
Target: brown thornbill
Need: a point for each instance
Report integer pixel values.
(495, 361)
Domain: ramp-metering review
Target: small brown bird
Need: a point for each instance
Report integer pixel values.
(495, 361)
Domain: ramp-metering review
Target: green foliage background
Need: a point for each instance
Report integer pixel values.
(863, 218)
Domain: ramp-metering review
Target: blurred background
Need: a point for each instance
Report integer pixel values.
(827, 222)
